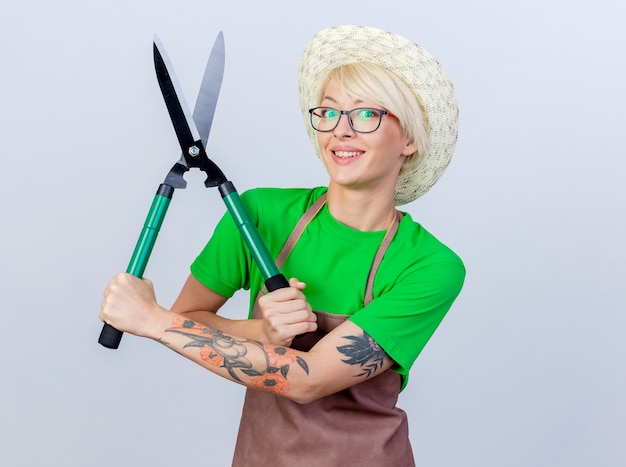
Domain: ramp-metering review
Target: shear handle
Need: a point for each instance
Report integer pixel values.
(109, 336)
(272, 277)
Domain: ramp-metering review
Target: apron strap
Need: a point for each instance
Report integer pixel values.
(295, 235)
(304, 221)
(306, 218)
(382, 249)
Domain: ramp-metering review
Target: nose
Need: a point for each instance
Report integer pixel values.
(343, 128)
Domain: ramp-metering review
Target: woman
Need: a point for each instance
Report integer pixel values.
(325, 359)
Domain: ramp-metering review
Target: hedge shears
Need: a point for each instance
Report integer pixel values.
(192, 131)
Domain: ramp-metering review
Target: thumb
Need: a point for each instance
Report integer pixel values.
(295, 283)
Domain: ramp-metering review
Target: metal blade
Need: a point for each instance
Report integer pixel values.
(181, 117)
(209, 89)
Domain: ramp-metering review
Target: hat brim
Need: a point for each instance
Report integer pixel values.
(419, 70)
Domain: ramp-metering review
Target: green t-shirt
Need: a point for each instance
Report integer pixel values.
(416, 283)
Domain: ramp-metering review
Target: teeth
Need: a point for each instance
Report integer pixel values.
(346, 154)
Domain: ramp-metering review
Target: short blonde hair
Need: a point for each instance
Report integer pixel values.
(374, 83)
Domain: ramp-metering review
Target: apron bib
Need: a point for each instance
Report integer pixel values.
(359, 426)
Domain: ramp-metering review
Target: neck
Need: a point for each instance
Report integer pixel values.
(364, 211)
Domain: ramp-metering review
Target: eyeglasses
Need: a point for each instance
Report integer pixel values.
(361, 120)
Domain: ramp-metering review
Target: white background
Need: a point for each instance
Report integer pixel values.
(528, 368)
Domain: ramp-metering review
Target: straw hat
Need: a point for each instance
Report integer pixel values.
(423, 75)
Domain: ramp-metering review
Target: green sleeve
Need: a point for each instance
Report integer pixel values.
(404, 318)
(224, 263)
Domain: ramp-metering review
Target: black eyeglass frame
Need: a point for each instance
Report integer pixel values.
(347, 114)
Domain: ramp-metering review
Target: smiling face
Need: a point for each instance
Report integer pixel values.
(367, 162)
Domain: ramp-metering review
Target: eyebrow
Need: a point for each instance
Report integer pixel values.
(358, 101)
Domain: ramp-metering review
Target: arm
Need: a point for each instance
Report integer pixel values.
(201, 304)
(286, 313)
(345, 357)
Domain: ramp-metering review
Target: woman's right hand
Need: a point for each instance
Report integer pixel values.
(286, 314)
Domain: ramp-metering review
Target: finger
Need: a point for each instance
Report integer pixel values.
(293, 282)
(288, 317)
(302, 328)
(102, 316)
(286, 332)
(284, 295)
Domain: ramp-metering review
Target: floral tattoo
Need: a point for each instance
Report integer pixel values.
(365, 352)
(221, 350)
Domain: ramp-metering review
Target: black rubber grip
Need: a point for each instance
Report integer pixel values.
(276, 282)
(110, 337)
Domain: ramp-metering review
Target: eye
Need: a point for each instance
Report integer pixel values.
(367, 114)
(329, 113)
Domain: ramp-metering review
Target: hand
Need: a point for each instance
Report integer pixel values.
(286, 314)
(130, 305)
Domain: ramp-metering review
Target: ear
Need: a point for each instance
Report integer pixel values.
(409, 147)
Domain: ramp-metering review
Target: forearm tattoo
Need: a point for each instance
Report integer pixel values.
(365, 352)
(221, 350)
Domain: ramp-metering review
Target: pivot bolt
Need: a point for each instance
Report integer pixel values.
(194, 151)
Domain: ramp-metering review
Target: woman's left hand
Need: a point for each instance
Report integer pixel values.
(286, 314)
(130, 305)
